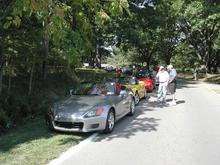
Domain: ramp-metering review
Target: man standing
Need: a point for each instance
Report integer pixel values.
(172, 82)
(163, 77)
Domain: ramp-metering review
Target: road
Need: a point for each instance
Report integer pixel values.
(185, 134)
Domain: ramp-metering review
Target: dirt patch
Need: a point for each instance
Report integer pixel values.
(213, 78)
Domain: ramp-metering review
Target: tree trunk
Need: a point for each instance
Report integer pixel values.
(100, 60)
(46, 54)
(2, 64)
(71, 72)
(92, 60)
(1, 77)
(149, 60)
(98, 57)
(9, 83)
(167, 56)
(167, 60)
(31, 79)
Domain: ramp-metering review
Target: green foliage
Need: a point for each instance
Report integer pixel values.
(201, 22)
(185, 58)
(3, 119)
(120, 57)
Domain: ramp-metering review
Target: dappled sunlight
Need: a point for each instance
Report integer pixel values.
(36, 131)
(129, 126)
(71, 139)
(25, 135)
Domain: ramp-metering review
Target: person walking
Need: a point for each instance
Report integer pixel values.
(172, 83)
(163, 77)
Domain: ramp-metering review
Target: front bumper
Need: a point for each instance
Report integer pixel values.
(80, 124)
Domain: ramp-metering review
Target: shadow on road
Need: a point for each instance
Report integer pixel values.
(180, 102)
(129, 126)
(184, 83)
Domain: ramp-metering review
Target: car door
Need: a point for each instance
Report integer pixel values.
(123, 102)
(138, 87)
(141, 88)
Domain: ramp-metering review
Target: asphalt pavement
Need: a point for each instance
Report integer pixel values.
(185, 134)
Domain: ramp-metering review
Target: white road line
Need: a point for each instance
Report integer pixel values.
(72, 150)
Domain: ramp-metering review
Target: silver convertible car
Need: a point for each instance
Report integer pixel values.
(91, 107)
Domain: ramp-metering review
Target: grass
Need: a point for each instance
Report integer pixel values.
(34, 144)
(212, 78)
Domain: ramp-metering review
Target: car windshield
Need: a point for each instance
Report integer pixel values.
(127, 80)
(143, 74)
(132, 81)
(123, 80)
(95, 89)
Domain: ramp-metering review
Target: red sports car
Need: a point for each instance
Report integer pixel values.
(147, 79)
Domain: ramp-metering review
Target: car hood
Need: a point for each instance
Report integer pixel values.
(80, 104)
(146, 80)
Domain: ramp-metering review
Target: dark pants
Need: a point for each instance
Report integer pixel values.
(172, 87)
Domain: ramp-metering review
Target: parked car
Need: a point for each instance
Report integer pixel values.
(110, 68)
(137, 87)
(127, 70)
(147, 79)
(91, 107)
(153, 76)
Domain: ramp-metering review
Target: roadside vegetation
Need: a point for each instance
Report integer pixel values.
(33, 143)
(210, 78)
(28, 141)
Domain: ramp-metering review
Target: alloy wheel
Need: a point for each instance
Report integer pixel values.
(132, 107)
(137, 98)
(111, 120)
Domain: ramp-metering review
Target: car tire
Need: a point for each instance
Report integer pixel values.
(137, 98)
(110, 122)
(132, 107)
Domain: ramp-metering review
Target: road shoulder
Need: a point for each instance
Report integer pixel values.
(74, 149)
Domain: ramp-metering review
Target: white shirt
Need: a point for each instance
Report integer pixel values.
(172, 74)
(163, 76)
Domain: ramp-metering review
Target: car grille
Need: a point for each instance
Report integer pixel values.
(69, 125)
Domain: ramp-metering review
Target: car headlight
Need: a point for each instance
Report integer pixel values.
(94, 113)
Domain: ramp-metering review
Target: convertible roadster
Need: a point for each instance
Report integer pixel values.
(136, 86)
(91, 107)
(147, 79)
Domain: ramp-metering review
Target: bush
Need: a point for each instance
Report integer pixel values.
(15, 108)
(3, 120)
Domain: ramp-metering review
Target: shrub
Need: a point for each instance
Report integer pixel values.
(3, 119)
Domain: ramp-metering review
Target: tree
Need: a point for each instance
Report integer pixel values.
(200, 24)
